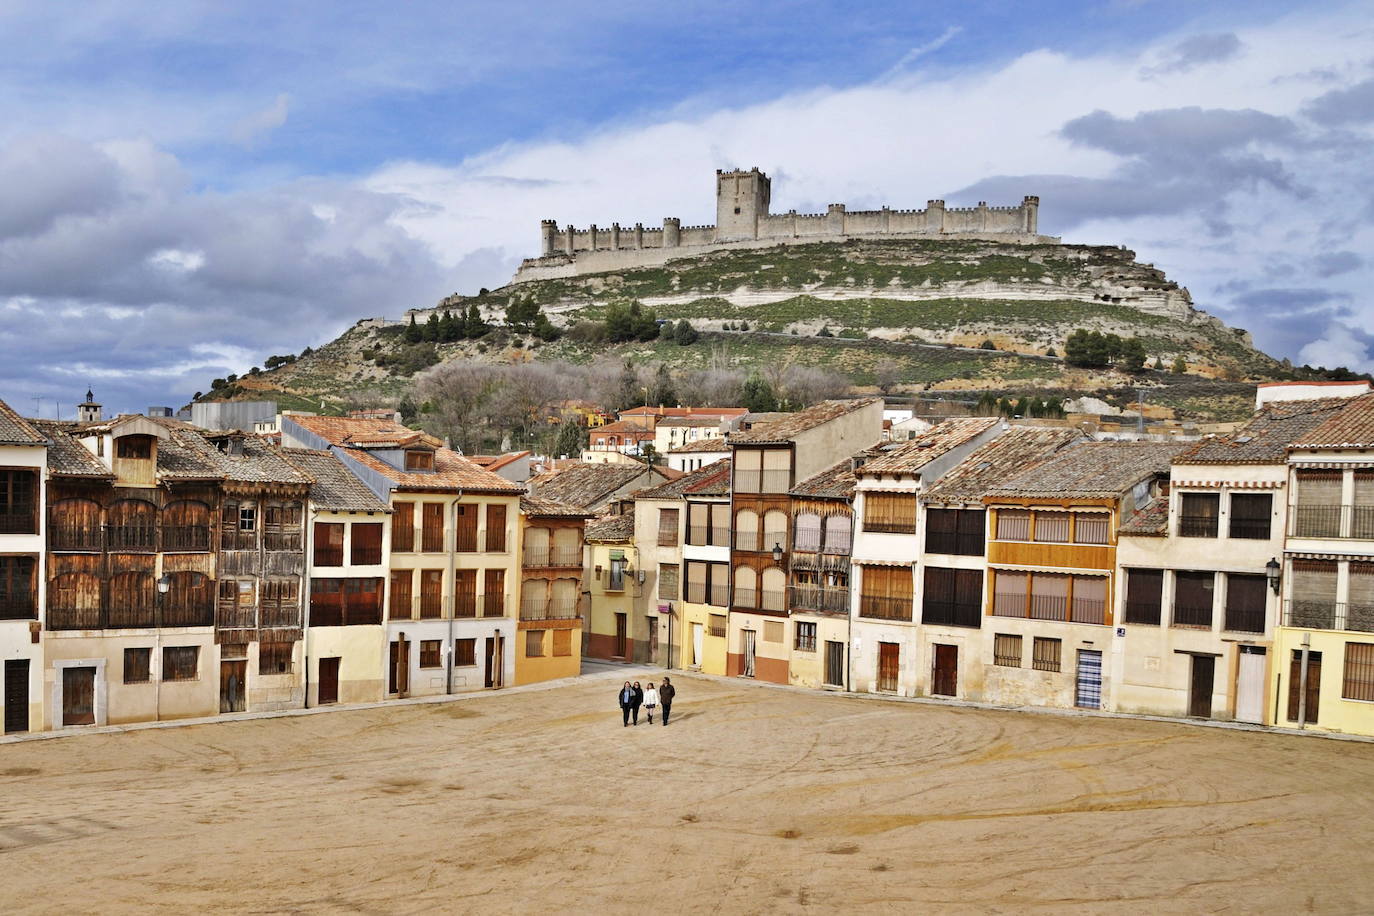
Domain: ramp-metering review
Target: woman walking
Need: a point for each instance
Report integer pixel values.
(636, 703)
(650, 701)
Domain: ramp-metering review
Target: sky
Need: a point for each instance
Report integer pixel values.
(187, 189)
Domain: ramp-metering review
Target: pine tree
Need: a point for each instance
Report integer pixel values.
(758, 394)
(413, 333)
(661, 393)
(1180, 365)
(474, 326)
(431, 332)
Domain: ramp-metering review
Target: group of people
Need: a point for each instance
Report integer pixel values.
(632, 697)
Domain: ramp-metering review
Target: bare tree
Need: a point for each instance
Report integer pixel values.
(713, 387)
(458, 395)
(886, 375)
(802, 386)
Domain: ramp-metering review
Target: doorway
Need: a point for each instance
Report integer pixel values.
(16, 696)
(1314, 687)
(945, 679)
(1200, 686)
(398, 671)
(1250, 684)
(834, 663)
(698, 636)
(78, 696)
(1087, 692)
(621, 636)
(233, 676)
(495, 663)
(889, 656)
(329, 681)
(653, 639)
(749, 637)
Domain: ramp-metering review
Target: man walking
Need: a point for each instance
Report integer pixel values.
(665, 698)
(627, 702)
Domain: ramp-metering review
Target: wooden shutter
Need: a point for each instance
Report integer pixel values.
(403, 528)
(464, 526)
(496, 528)
(667, 527)
(402, 583)
(366, 546)
(432, 522)
(1144, 595)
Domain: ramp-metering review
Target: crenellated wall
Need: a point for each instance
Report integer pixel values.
(742, 199)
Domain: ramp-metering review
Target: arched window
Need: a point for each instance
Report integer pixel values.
(774, 589)
(807, 533)
(131, 600)
(74, 602)
(189, 601)
(75, 524)
(536, 546)
(186, 526)
(774, 529)
(746, 587)
(132, 525)
(746, 530)
(838, 534)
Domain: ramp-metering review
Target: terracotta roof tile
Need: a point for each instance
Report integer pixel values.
(836, 481)
(335, 488)
(711, 480)
(1351, 427)
(535, 507)
(714, 444)
(785, 428)
(589, 485)
(910, 456)
(1092, 470)
(66, 456)
(1266, 438)
(15, 430)
(611, 528)
(1018, 449)
(1151, 521)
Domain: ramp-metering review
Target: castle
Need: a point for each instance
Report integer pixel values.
(743, 220)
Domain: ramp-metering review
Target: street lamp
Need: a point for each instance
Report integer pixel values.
(777, 552)
(1272, 573)
(164, 584)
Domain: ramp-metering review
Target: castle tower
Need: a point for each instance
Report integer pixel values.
(741, 201)
(90, 411)
(548, 233)
(1030, 206)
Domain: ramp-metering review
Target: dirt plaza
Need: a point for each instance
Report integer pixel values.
(754, 800)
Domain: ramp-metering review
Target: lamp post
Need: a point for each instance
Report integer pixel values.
(777, 553)
(1273, 572)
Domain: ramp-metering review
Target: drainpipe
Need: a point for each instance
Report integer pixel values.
(305, 609)
(453, 600)
(1302, 681)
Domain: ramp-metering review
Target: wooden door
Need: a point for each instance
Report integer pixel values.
(834, 663)
(1088, 684)
(398, 671)
(1314, 686)
(945, 679)
(749, 637)
(78, 696)
(1200, 689)
(495, 662)
(653, 640)
(16, 695)
(1250, 685)
(233, 684)
(698, 639)
(621, 636)
(329, 681)
(889, 662)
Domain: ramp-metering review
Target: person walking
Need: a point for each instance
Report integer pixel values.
(627, 702)
(650, 701)
(638, 702)
(665, 696)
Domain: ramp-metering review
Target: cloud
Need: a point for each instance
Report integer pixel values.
(1351, 105)
(1194, 51)
(1332, 263)
(922, 50)
(250, 131)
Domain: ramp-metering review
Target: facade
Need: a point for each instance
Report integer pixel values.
(670, 432)
(885, 654)
(23, 470)
(549, 643)
(766, 462)
(453, 549)
(621, 442)
(615, 629)
(697, 454)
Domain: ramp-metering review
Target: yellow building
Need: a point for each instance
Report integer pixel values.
(613, 592)
(549, 643)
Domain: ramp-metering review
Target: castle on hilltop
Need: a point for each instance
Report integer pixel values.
(743, 220)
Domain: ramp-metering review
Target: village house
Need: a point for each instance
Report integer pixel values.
(1051, 553)
(454, 554)
(349, 539)
(767, 460)
(595, 486)
(697, 454)
(551, 564)
(621, 442)
(614, 589)
(884, 652)
(23, 467)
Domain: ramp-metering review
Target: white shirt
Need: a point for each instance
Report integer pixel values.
(651, 697)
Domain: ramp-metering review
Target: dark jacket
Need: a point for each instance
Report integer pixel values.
(639, 696)
(666, 693)
(627, 696)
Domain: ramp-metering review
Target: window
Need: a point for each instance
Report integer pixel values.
(431, 653)
(18, 599)
(1052, 527)
(275, 657)
(465, 653)
(179, 663)
(890, 513)
(885, 592)
(349, 602)
(135, 448)
(18, 504)
(432, 531)
(1314, 594)
(562, 643)
(431, 593)
(667, 581)
(1193, 599)
(464, 527)
(708, 583)
(1250, 513)
(403, 527)
(1090, 529)
(667, 527)
(953, 597)
(838, 534)
(1358, 680)
(245, 593)
(1050, 596)
(366, 548)
(746, 594)
(806, 636)
(772, 631)
(418, 459)
(534, 643)
(280, 603)
(283, 528)
(716, 625)
(806, 533)
(1317, 512)
(1245, 600)
(746, 530)
(465, 593)
(1198, 515)
(1144, 595)
(955, 531)
(137, 664)
(774, 530)
(329, 544)
(494, 593)
(748, 468)
(248, 518)
(1045, 654)
(496, 529)
(1006, 650)
(1013, 524)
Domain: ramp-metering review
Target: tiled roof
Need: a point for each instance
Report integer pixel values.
(1018, 449)
(495, 462)
(1092, 470)
(611, 528)
(15, 430)
(335, 488)
(711, 480)
(910, 456)
(836, 481)
(1151, 521)
(785, 428)
(1351, 427)
(625, 426)
(66, 456)
(587, 485)
(536, 507)
(696, 446)
(1266, 438)
(451, 470)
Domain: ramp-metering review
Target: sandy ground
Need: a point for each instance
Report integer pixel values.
(754, 800)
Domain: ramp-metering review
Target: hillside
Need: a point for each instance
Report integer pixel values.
(921, 311)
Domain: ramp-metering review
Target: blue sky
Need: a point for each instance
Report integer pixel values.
(193, 187)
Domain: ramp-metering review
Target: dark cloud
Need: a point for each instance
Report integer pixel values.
(1336, 262)
(49, 177)
(1340, 107)
(1284, 319)
(1211, 48)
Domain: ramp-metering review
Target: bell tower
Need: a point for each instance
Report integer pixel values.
(90, 411)
(741, 201)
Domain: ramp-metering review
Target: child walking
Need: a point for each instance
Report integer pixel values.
(650, 701)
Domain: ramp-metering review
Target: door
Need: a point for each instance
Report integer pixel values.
(653, 640)
(16, 696)
(398, 677)
(834, 663)
(698, 637)
(1200, 688)
(1314, 686)
(621, 636)
(889, 655)
(329, 681)
(1250, 685)
(78, 696)
(233, 678)
(748, 636)
(944, 681)
(1088, 687)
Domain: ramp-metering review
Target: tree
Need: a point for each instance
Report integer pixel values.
(824, 332)
(521, 314)
(1051, 352)
(628, 389)
(743, 326)
(886, 375)
(758, 394)
(1180, 365)
(458, 394)
(473, 325)
(431, 330)
(685, 334)
(987, 404)
(987, 345)
(1159, 364)
(661, 391)
(1132, 354)
(413, 333)
(450, 329)
(545, 329)
(570, 441)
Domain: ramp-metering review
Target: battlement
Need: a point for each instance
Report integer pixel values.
(743, 216)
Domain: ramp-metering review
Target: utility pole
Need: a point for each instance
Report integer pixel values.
(1140, 413)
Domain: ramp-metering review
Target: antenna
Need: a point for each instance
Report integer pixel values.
(1140, 412)
(38, 406)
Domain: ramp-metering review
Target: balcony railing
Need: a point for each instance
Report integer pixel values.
(18, 522)
(1328, 615)
(21, 605)
(193, 538)
(131, 537)
(1197, 526)
(552, 556)
(61, 617)
(774, 600)
(884, 607)
(494, 605)
(465, 606)
(746, 597)
(1355, 522)
(763, 481)
(820, 599)
(954, 543)
(494, 541)
(704, 536)
(1244, 620)
(558, 609)
(951, 613)
(76, 537)
(1050, 607)
(235, 617)
(1193, 615)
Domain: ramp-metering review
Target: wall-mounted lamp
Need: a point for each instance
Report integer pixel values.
(777, 552)
(1273, 572)
(164, 584)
